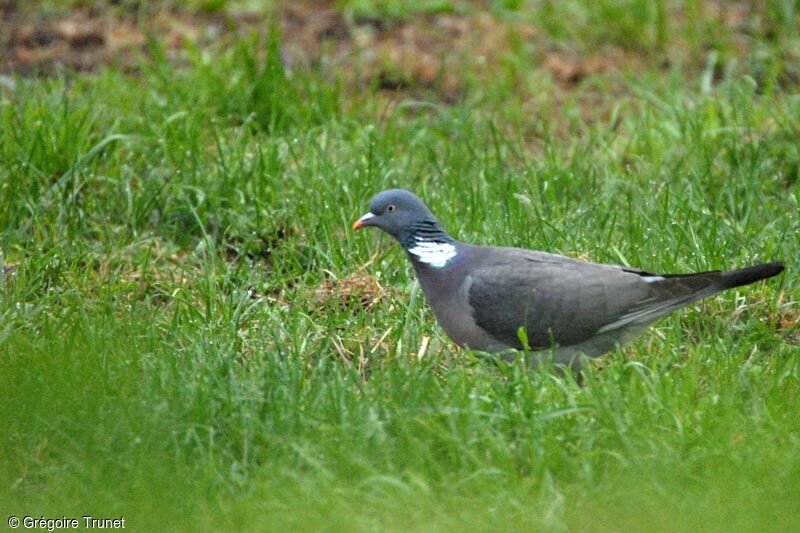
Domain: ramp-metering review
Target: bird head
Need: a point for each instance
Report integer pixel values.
(397, 212)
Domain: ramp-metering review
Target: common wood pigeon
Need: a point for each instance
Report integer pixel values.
(496, 299)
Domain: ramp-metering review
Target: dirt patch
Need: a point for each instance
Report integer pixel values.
(431, 52)
(442, 54)
(427, 53)
(570, 68)
(786, 322)
(358, 290)
(80, 41)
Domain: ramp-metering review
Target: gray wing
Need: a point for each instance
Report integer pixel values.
(563, 302)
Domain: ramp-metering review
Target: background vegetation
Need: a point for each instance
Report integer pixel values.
(192, 337)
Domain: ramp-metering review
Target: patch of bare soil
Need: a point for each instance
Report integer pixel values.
(787, 322)
(428, 52)
(358, 290)
(570, 68)
(81, 41)
(438, 55)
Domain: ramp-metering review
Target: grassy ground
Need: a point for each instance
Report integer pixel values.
(191, 336)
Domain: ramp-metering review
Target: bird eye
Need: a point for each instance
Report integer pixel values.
(390, 208)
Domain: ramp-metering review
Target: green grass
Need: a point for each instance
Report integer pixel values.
(166, 353)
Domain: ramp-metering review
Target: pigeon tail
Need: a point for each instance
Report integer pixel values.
(747, 275)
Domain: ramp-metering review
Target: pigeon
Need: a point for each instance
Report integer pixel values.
(494, 299)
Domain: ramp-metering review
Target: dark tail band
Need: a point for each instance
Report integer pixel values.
(744, 276)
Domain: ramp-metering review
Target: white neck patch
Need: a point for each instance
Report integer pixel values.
(435, 254)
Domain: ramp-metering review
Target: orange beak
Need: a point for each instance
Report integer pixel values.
(363, 221)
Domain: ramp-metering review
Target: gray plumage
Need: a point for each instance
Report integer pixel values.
(489, 298)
